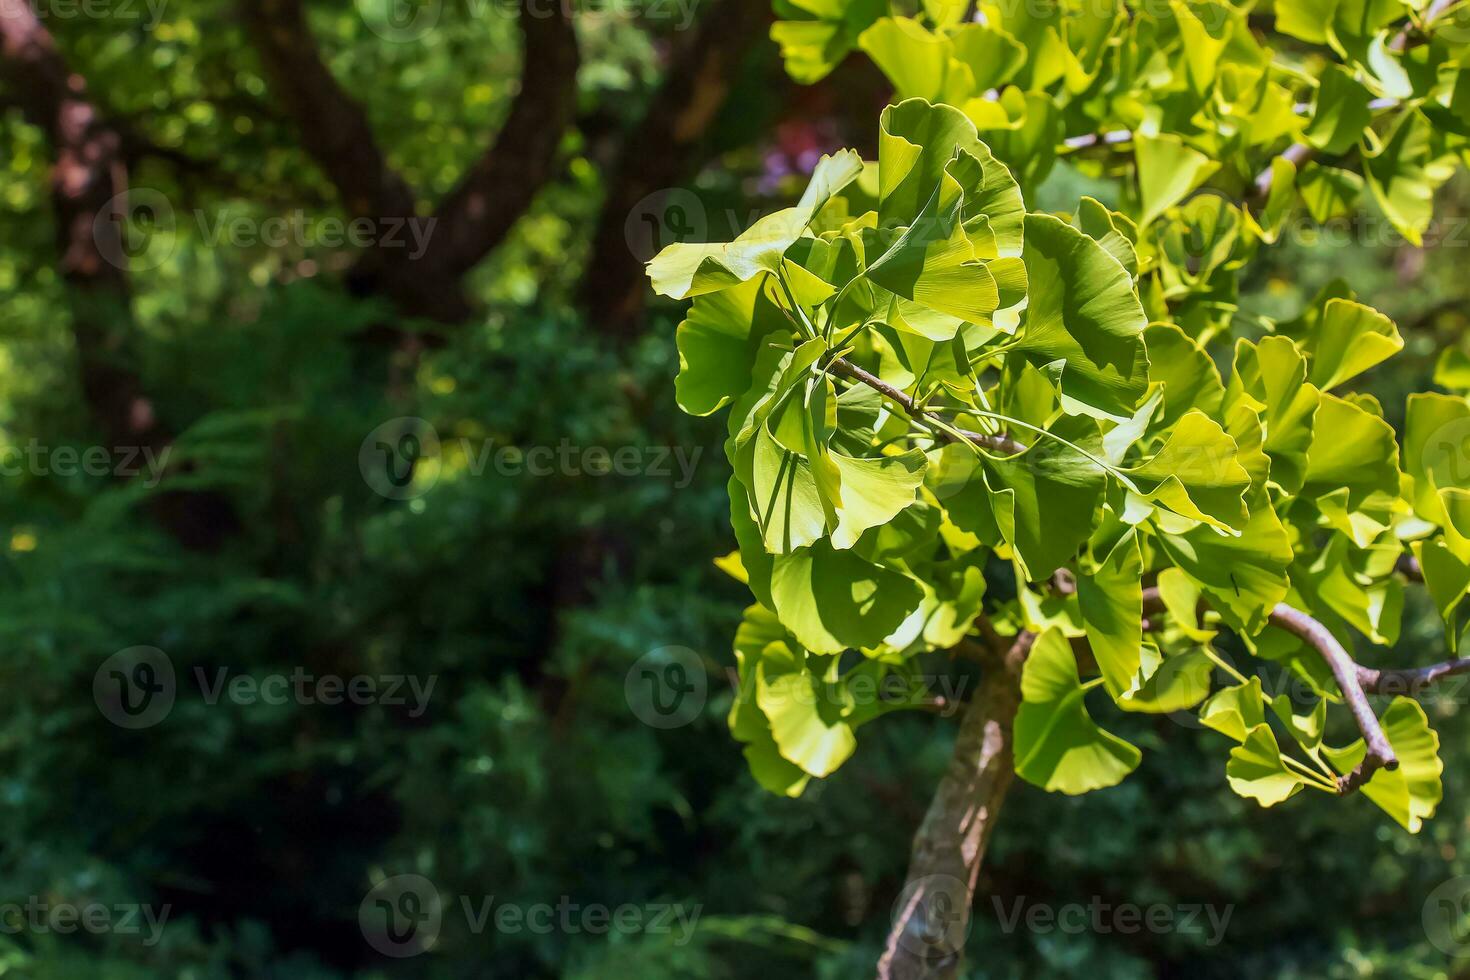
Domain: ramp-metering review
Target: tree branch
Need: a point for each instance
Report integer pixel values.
(89, 184)
(1002, 444)
(334, 128)
(1378, 754)
(498, 188)
(931, 919)
(665, 150)
(1353, 679)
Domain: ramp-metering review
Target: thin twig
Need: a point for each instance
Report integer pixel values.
(1002, 444)
(1378, 754)
(1353, 679)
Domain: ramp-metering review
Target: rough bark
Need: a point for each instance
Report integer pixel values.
(931, 919)
(89, 201)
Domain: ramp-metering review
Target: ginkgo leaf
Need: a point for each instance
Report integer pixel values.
(1257, 772)
(1235, 711)
(682, 270)
(1341, 112)
(1374, 607)
(1045, 503)
(748, 724)
(1345, 340)
(1082, 310)
(1272, 374)
(783, 495)
(807, 721)
(833, 601)
(1351, 447)
(1171, 681)
(1189, 375)
(1057, 745)
(1411, 793)
(1244, 575)
(1436, 449)
(1168, 171)
(1329, 192)
(815, 35)
(1452, 370)
(915, 60)
(1447, 579)
(1111, 602)
(1404, 174)
(934, 262)
(917, 143)
(718, 342)
(873, 491)
(1110, 230)
(1196, 474)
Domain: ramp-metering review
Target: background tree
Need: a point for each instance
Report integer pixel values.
(247, 351)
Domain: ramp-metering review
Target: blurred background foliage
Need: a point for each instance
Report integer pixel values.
(529, 598)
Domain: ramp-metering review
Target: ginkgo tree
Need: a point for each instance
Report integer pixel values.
(926, 379)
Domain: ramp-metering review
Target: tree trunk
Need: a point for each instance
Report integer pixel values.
(931, 919)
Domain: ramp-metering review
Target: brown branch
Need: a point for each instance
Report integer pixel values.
(498, 189)
(1002, 444)
(1378, 754)
(1353, 679)
(931, 919)
(87, 177)
(333, 126)
(665, 150)
(89, 200)
(491, 196)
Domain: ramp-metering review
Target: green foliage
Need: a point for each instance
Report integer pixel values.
(1090, 338)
